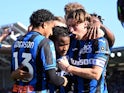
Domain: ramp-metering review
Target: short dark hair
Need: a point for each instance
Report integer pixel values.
(98, 16)
(39, 16)
(59, 31)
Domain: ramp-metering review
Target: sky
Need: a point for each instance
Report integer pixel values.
(12, 11)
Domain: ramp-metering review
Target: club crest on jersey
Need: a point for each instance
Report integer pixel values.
(85, 49)
(102, 48)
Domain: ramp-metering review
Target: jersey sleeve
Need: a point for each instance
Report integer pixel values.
(48, 55)
(102, 52)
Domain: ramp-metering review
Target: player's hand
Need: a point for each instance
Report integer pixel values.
(66, 81)
(93, 30)
(20, 74)
(63, 63)
(4, 34)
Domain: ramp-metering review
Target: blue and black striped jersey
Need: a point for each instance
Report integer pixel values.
(62, 89)
(86, 54)
(37, 54)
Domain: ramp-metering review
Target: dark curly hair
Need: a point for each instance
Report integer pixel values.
(39, 16)
(59, 31)
(98, 16)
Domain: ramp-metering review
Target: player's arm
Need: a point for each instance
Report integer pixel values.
(50, 65)
(5, 48)
(94, 32)
(98, 62)
(88, 73)
(5, 33)
(19, 74)
(108, 34)
(54, 79)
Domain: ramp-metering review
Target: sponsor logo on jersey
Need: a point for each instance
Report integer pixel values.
(88, 62)
(85, 49)
(24, 44)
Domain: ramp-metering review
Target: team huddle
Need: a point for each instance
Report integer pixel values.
(62, 55)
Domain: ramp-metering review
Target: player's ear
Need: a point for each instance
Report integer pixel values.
(44, 25)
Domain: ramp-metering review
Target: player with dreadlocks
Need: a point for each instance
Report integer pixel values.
(61, 40)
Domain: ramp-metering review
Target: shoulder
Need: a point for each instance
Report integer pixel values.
(47, 43)
(101, 40)
(101, 43)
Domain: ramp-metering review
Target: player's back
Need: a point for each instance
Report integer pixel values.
(27, 52)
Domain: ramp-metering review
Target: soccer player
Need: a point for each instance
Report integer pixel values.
(61, 40)
(88, 58)
(33, 57)
(92, 33)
